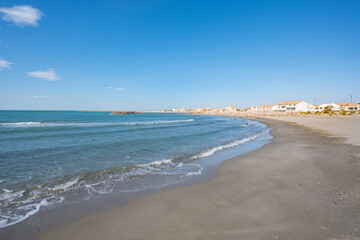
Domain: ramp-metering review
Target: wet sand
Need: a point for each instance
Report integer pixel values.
(303, 185)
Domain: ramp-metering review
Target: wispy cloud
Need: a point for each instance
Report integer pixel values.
(38, 97)
(49, 75)
(21, 15)
(5, 64)
(117, 89)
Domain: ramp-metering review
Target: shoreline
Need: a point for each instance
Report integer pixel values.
(70, 210)
(343, 127)
(300, 186)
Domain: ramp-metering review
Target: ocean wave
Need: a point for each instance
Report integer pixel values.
(17, 205)
(88, 124)
(156, 163)
(213, 150)
(55, 133)
(21, 124)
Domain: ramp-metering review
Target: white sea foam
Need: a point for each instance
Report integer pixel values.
(25, 211)
(213, 150)
(88, 124)
(195, 173)
(156, 163)
(65, 186)
(102, 184)
(158, 122)
(9, 196)
(21, 124)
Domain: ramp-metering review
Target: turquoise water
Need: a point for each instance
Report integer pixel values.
(46, 155)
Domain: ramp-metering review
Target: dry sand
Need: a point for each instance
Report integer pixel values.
(347, 127)
(300, 186)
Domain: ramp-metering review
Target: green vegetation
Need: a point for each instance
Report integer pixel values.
(327, 109)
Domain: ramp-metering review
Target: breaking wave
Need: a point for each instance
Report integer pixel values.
(88, 124)
(16, 206)
(213, 150)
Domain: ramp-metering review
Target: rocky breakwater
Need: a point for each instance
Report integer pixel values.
(124, 113)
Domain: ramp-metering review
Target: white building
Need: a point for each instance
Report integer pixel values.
(264, 108)
(315, 108)
(231, 108)
(179, 109)
(340, 106)
(346, 106)
(333, 106)
(251, 109)
(294, 106)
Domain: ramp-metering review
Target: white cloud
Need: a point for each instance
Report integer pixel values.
(21, 15)
(37, 97)
(119, 89)
(108, 87)
(49, 75)
(4, 64)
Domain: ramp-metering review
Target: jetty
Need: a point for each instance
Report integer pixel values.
(124, 113)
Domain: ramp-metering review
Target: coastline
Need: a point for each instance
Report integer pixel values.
(78, 203)
(344, 127)
(301, 186)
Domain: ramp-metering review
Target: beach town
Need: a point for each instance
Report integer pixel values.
(283, 107)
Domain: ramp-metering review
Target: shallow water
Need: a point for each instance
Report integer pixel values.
(49, 157)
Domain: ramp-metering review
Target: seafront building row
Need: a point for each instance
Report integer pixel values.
(287, 106)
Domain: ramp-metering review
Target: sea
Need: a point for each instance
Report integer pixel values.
(51, 159)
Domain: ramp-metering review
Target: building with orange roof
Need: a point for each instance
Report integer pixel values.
(251, 109)
(231, 108)
(340, 106)
(345, 106)
(265, 108)
(294, 106)
(289, 103)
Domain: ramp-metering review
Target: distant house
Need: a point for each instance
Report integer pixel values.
(340, 106)
(294, 106)
(346, 106)
(333, 106)
(316, 108)
(231, 108)
(179, 109)
(323, 106)
(251, 109)
(265, 108)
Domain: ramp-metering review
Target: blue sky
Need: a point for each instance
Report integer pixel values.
(165, 54)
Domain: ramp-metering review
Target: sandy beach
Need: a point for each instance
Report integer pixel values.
(346, 127)
(180, 120)
(303, 185)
